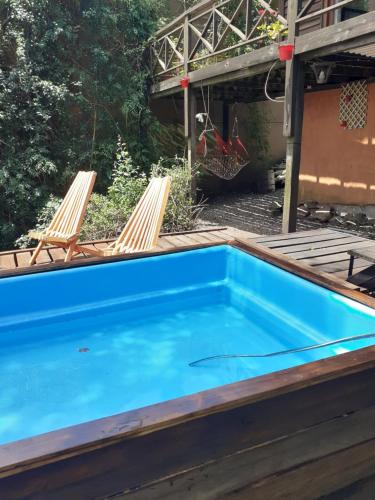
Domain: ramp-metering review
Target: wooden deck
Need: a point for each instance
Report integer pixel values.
(19, 259)
(325, 250)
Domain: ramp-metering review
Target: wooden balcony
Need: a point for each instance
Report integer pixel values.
(221, 40)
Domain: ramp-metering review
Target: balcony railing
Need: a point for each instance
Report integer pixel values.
(222, 29)
(215, 30)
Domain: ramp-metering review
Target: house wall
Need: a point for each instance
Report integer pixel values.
(277, 142)
(337, 165)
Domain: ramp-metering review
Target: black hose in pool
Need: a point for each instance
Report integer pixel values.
(288, 351)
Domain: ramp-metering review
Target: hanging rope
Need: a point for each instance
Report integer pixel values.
(276, 99)
(223, 158)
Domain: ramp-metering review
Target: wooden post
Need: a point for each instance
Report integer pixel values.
(293, 120)
(190, 110)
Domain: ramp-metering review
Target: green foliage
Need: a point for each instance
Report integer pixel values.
(255, 129)
(275, 30)
(72, 78)
(126, 177)
(181, 212)
(106, 217)
(107, 214)
(43, 219)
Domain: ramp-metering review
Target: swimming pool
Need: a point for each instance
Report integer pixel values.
(90, 342)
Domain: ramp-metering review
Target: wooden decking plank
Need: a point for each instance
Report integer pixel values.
(200, 238)
(326, 259)
(173, 241)
(290, 236)
(7, 261)
(325, 250)
(320, 244)
(233, 232)
(212, 237)
(319, 252)
(44, 257)
(23, 258)
(309, 239)
(227, 236)
(99, 245)
(163, 244)
(221, 235)
(185, 239)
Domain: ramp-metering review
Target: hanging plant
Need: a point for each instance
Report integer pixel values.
(274, 30)
(277, 32)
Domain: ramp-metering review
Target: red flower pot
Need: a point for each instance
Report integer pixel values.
(286, 52)
(184, 82)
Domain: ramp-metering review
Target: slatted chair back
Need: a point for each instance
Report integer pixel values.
(68, 218)
(143, 227)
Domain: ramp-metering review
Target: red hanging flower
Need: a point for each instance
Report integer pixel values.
(343, 124)
(261, 11)
(348, 98)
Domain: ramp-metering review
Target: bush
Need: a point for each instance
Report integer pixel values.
(107, 214)
(181, 212)
(43, 220)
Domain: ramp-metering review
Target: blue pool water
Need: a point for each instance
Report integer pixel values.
(89, 342)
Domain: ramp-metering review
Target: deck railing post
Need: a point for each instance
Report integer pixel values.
(190, 110)
(293, 121)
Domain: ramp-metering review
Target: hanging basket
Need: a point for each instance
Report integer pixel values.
(286, 52)
(224, 166)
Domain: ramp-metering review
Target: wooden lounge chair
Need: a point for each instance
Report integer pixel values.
(142, 230)
(64, 229)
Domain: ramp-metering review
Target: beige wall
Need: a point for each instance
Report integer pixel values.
(275, 113)
(337, 165)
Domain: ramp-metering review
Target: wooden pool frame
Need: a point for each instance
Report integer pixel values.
(299, 433)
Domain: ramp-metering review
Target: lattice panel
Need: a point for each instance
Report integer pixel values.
(353, 105)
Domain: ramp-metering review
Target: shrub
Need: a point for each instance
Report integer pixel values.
(107, 214)
(44, 218)
(181, 212)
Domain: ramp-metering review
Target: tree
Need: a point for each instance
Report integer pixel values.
(72, 78)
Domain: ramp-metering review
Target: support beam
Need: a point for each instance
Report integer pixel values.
(293, 120)
(190, 110)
